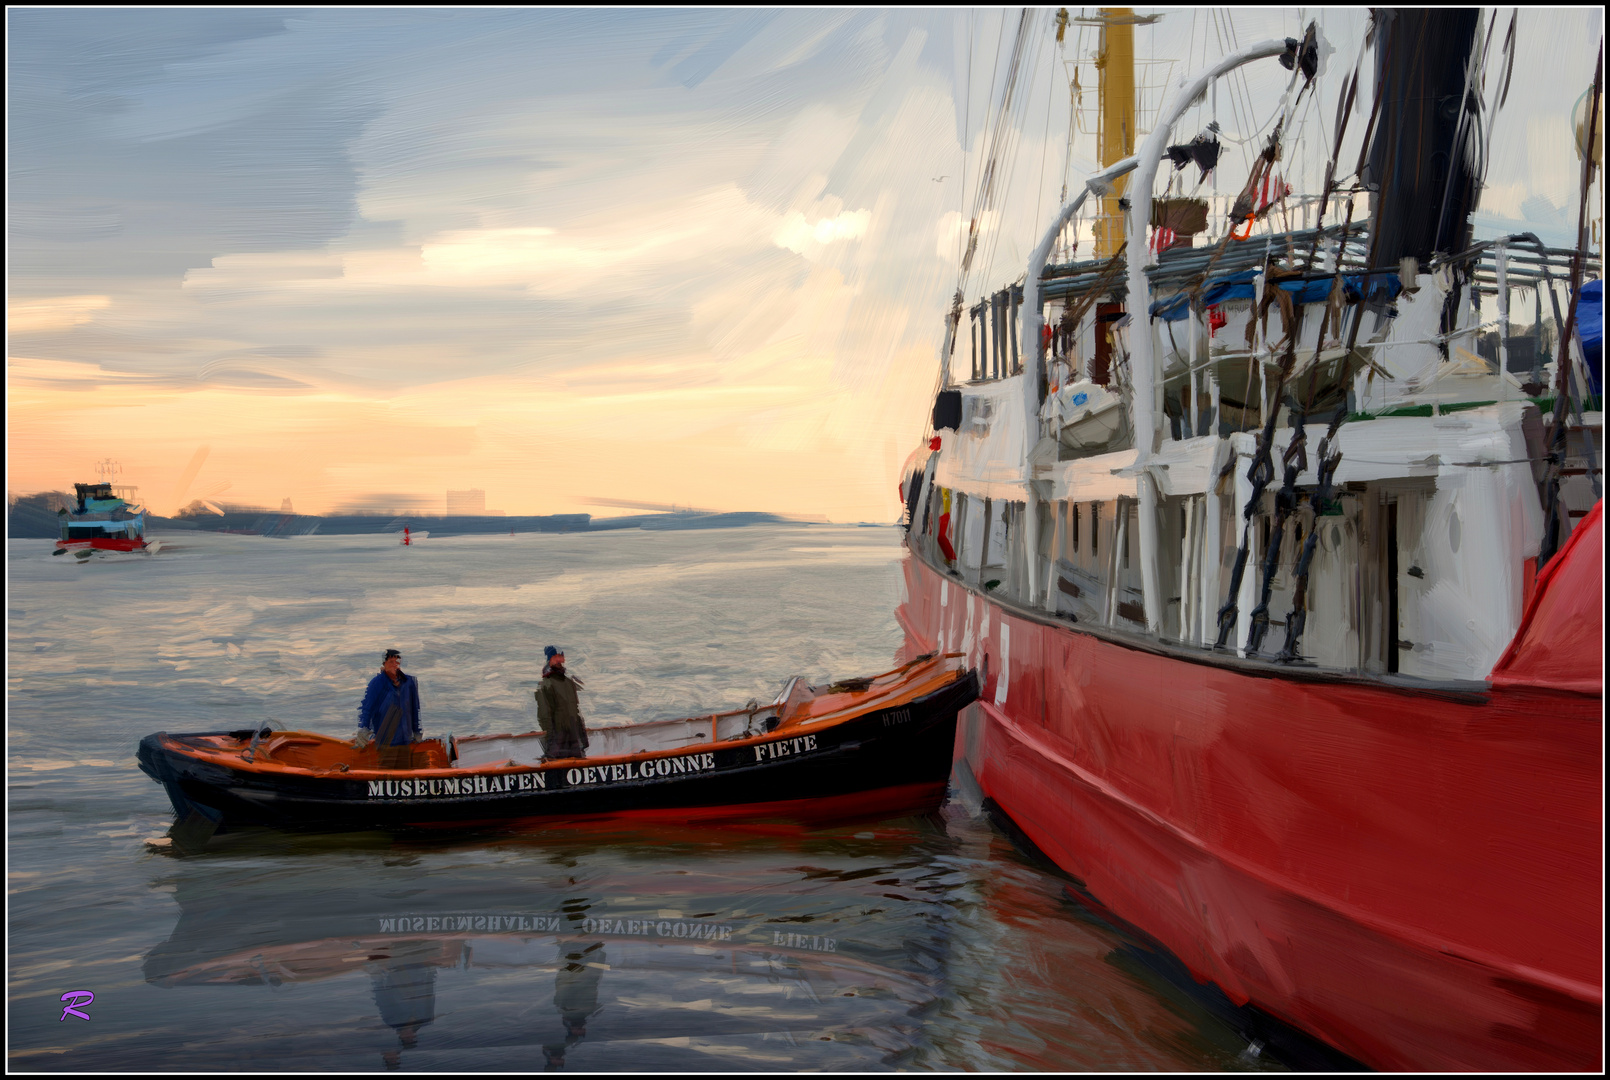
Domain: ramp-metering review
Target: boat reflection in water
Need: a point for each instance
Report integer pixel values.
(915, 943)
(623, 968)
(405, 991)
(575, 995)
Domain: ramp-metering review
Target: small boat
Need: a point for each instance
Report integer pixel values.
(102, 523)
(870, 745)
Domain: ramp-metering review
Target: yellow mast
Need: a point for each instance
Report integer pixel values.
(1115, 134)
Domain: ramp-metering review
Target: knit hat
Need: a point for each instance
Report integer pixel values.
(550, 652)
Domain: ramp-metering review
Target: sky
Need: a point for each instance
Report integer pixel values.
(573, 258)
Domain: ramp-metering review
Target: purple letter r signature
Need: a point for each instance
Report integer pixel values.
(79, 997)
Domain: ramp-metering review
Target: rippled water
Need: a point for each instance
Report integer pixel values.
(920, 943)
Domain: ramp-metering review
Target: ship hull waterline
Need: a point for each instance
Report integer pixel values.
(1413, 877)
(118, 544)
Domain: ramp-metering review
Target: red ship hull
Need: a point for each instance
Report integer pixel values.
(1413, 877)
(110, 543)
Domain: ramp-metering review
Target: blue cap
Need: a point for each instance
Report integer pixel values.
(550, 652)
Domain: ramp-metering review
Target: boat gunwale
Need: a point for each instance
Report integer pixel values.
(229, 758)
(933, 658)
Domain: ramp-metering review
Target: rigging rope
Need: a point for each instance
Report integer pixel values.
(986, 175)
(967, 131)
(1000, 141)
(1016, 120)
(1045, 140)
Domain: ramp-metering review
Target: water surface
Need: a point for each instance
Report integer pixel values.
(926, 942)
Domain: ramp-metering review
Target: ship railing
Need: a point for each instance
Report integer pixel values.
(1526, 260)
(1180, 267)
(1526, 265)
(1292, 215)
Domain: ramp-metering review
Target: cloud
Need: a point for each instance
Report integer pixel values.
(26, 371)
(642, 244)
(47, 314)
(248, 373)
(802, 236)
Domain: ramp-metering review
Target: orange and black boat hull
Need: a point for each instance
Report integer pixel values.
(795, 772)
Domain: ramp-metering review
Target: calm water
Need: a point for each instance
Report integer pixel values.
(920, 943)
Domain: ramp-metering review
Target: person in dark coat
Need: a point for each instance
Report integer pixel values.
(390, 711)
(559, 714)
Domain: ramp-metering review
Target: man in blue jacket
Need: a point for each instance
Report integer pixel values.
(390, 710)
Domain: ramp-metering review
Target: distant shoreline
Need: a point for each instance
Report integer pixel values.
(28, 521)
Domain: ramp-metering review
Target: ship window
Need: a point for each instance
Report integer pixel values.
(1073, 526)
(973, 337)
(1095, 528)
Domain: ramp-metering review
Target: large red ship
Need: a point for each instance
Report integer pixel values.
(1324, 723)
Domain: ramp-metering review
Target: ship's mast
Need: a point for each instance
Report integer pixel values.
(1115, 132)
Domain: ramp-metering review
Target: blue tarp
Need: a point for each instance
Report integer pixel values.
(1241, 287)
(1590, 327)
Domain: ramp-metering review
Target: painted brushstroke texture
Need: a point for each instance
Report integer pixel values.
(684, 256)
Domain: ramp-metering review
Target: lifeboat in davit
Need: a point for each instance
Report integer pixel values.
(875, 745)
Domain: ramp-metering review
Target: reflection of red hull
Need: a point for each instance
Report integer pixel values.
(110, 543)
(1415, 877)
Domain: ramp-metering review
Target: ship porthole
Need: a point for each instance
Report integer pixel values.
(1453, 533)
